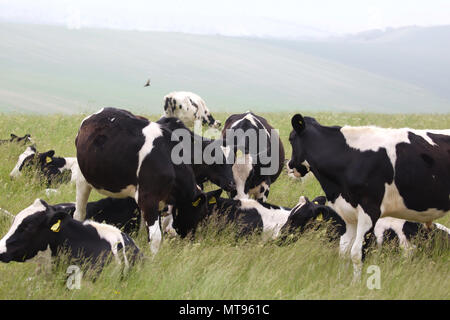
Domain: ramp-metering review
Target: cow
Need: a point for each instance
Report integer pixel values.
(24, 140)
(122, 213)
(53, 169)
(41, 225)
(387, 229)
(218, 171)
(370, 172)
(188, 107)
(123, 155)
(248, 171)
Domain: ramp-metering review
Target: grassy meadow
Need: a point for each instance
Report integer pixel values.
(216, 266)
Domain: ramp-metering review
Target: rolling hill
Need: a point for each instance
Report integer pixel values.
(51, 69)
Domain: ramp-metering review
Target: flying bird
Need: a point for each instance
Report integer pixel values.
(148, 83)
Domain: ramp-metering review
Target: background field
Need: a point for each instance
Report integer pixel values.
(215, 266)
(52, 69)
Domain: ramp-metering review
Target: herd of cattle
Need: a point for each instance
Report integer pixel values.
(386, 183)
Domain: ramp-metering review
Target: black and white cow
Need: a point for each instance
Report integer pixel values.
(122, 213)
(188, 107)
(53, 169)
(386, 229)
(25, 139)
(40, 226)
(369, 172)
(219, 171)
(243, 132)
(123, 155)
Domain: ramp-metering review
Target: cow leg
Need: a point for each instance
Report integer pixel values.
(364, 226)
(82, 197)
(347, 239)
(150, 214)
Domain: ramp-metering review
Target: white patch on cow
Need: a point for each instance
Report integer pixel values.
(396, 225)
(112, 235)
(154, 233)
(253, 120)
(150, 132)
(72, 165)
(128, 191)
(241, 170)
(37, 206)
(15, 171)
(393, 205)
(99, 111)
(273, 219)
(373, 138)
(442, 227)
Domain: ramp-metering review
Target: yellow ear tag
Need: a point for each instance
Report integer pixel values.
(300, 122)
(212, 200)
(319, 217)
(239, 153)
(316, 202)
(48, 159)
(56, 226)
(196, 202)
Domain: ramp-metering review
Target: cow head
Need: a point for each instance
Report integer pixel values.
(25, 159)
(31, 231)
(298, 164)
(187, 215)
(217, 165)
(306, 212)
(210, 121)
(46, 162)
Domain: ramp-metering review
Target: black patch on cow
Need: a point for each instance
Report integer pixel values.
(422, 172)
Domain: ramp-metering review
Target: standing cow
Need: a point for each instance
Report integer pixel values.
(188, 107)
(123, 155)
(261, 149)
(371, 172)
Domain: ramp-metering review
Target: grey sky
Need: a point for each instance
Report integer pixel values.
(233, 17)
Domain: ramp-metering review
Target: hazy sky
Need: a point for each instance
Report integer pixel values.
(232, 16)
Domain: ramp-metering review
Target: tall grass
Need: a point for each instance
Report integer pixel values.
(215, 265)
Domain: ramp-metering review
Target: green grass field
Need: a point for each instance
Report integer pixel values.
(215, 266)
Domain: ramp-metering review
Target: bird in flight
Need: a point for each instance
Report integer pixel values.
(148, 83)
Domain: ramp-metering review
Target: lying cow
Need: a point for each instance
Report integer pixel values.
(15, 139)
(123, 155)
(40, 226)
(123, 214)
(369, 173)
(53, 169)
(188, 107)
(261, 149)
(386, 229)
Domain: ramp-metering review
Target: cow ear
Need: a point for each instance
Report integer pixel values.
(13, 136)
(298, 123)
(321, 200)
(199, 200)
(50, 153)
(212, 196)
(56, 220)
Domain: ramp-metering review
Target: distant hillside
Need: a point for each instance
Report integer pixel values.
(47, 69)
